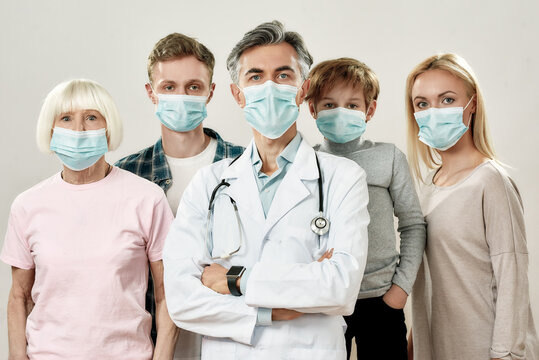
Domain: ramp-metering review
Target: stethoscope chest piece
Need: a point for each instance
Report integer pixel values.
(320, 224)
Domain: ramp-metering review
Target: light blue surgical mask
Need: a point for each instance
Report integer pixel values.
(441, 128)
(181, 113)
(78, 150)
(341, 125)
(271, 108)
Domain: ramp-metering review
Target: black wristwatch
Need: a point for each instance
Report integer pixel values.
(231, 276)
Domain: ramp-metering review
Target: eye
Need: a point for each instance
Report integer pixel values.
(282, 76)
(329, 106)
(255, 77)
(194, 87)
(169, 88)
(91, 117)
(422, 105)
(64, 118)
(448, 100)
(352, 106)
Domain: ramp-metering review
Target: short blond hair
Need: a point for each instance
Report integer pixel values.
(458, 67)
(78, 94)
(325, 75)
(177, 45)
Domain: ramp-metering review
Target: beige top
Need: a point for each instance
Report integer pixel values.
(470, 299)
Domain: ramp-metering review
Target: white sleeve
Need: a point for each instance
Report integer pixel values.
(191, 305)
(330, 286)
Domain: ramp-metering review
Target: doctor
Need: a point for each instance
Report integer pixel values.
(240, 258)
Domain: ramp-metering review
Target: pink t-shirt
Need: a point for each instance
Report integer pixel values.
(90, 246)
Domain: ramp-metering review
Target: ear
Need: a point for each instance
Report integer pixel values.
(473, 105)
(312, 110)
(371, 110)
(151, 95)
(238, 95)
(302, 92)
(210, 96)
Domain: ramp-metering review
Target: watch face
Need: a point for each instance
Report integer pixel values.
(235, 271)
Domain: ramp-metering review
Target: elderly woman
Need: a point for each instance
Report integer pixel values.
(80, 242)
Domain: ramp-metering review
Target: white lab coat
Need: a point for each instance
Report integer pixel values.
(281, 250)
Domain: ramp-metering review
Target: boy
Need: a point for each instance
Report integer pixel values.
(342, 98)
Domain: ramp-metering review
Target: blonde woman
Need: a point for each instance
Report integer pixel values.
(79, 243)
(470, 300)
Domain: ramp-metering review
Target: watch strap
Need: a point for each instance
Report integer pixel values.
(231, 282)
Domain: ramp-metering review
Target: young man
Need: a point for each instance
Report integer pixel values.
(180, 71)
(342, 98)
(241, 256)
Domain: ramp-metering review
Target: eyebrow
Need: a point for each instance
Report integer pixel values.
(285, 67)
(440, 95)
(330, 98)
(254, 71)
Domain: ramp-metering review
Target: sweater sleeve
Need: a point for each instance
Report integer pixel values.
(411, 226)
(506, 238)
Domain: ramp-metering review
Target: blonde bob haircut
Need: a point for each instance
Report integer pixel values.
(417, 150)
(73, 95)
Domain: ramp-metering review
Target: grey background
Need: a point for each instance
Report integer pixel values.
(45, 42)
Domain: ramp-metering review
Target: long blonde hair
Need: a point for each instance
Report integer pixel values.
(457, 66)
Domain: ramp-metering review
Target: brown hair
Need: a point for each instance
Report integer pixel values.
(178, 45)
(327, 74)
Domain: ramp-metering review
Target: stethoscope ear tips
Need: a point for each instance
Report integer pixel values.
(320, 225)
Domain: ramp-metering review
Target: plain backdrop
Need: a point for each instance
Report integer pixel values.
(46, 42)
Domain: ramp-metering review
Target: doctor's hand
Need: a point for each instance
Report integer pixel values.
(214, 277)
(327, 255)
(284, 314)
(395, 297)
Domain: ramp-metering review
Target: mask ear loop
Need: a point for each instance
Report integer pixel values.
(469, 121)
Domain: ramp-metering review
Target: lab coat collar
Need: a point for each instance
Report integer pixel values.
(304, 163)
(292, 190)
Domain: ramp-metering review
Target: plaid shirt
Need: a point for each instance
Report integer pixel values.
(151, 164)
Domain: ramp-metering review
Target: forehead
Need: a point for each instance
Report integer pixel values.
(436, 81)
(181, 69)
(343, 89)
(269, 57)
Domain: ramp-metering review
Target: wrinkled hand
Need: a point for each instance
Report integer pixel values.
(327, 255)
(284, 314)
(395, 297)
(214, 277)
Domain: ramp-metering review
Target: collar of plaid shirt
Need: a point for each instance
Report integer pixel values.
(152, 165)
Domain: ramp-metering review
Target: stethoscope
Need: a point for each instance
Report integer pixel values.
(319, 224)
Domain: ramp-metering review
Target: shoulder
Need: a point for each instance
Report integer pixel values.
(385, 149)
(228, 149)
(233, 149)
(29, 196)
(496, 179)
(135, 183)
(130, 161)
(338, 165)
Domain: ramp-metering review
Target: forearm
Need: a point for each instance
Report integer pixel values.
(195, 307)
(167, 332)
(412, 247)
(512, 305)
(18, 310)
(329, 287)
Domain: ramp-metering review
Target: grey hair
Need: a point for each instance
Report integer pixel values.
(269, 33)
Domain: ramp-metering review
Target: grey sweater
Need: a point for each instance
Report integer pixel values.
(391, 191)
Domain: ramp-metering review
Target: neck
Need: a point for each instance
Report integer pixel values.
(462, 155)
(184, 144)
(269, 149)
(92, 174)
